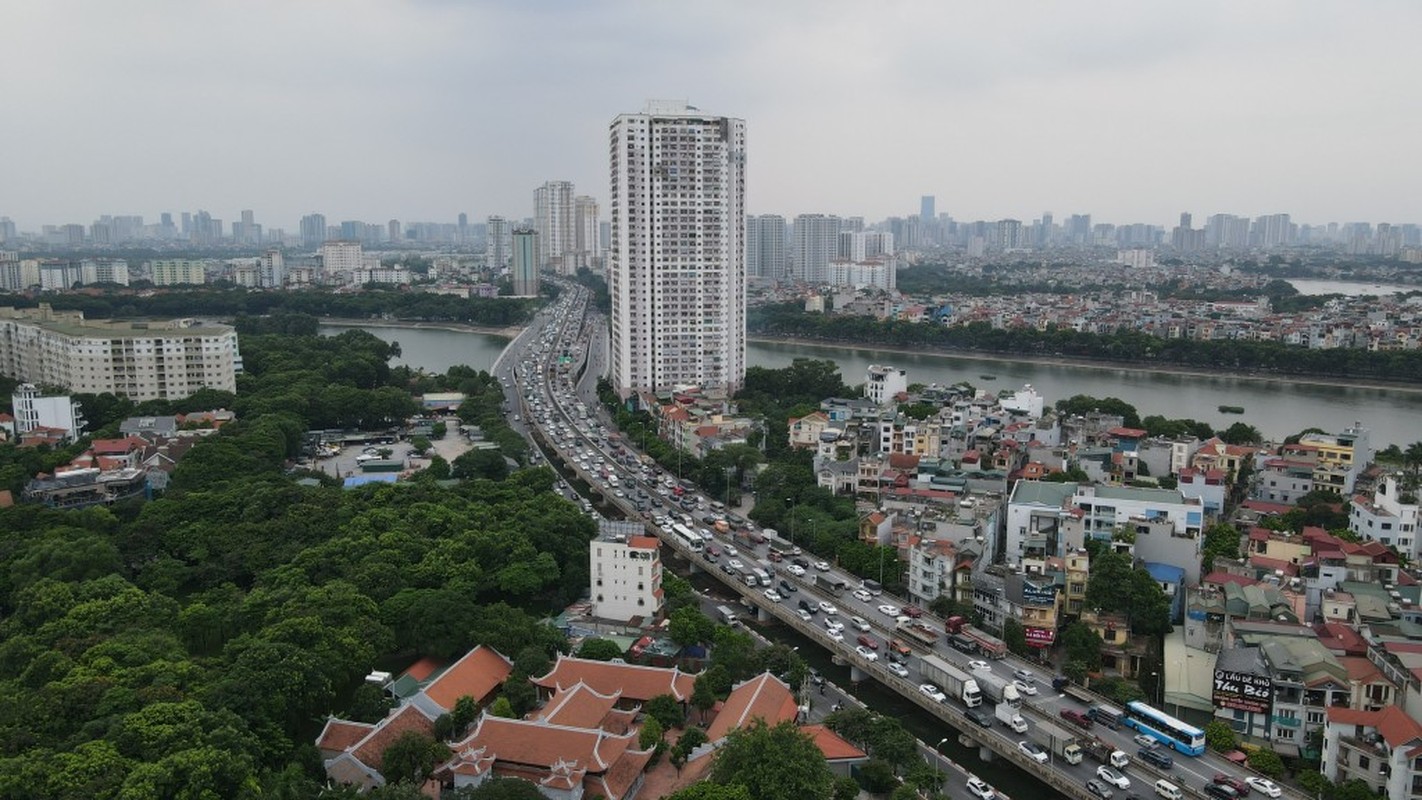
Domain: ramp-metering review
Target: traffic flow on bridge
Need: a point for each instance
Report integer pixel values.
(1072, 740)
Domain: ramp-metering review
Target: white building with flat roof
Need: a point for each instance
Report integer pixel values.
(882, 384)
(340, 256)
(34, 410)
(140, 360)
(676, 271)
(625, 573)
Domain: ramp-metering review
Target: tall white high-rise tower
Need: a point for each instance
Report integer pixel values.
(677, 263)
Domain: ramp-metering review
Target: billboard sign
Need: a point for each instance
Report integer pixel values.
(1243, 691)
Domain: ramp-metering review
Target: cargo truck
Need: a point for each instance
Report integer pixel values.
(998, 690)
(956, 683)
(987, 644)
(1008, 716)
(1060, 741)
(918, 632)
(830, 584)
(1066, 687)
(1105, 753)
(727, 615)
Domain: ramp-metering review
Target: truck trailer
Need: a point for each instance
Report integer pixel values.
(998, 690)
(1060, 741)
(918, 633)
(956, 683)
(987, 644)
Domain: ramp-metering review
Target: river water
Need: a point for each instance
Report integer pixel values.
(1277, 408)
(1349, 288)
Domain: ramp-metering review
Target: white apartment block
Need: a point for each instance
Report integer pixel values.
(154, 360)
(882, 384)
(765, 246)
(816, 243)
(626, 576)
(878, 273)
(271, 270)
(498, 242)
(171, 272)
(1057, 517)
(677, 264)
(33, 410)
(104, 270)
(17, 275)
(1387, 518)
(341, 256)
(554, 217)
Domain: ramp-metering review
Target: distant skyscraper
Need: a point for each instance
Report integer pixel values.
(393, 230)
(313, 230)
(497, 244)
(524, 271)
(587, 245)
(271, 271)
(816, 243)
(553, 219)
(926, 211)
(1078, 229)
(463, 227)
(765, 246)
(677, 267)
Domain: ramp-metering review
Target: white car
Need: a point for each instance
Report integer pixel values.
(828, 609)
(978, 788)
(979, 666)
(735, 563)
(889, 611)
(862, 596)
(1263, 786)
(773, 596)
(833, 624)
(836, 634)
(796, 570)
(805, 615)
(859, 623)
(1025, 688)
(1145, 741)
(933, 692)
(865, 653)
(1033, 751)
(1025, 676)
(898, 669)
(822, 566)
(1113, 777)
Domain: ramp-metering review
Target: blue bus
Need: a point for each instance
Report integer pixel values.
(1164, 728)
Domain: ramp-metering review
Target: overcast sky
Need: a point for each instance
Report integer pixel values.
(1132, 111)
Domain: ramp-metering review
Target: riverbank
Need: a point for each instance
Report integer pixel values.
(1105, 366)
(511, 332)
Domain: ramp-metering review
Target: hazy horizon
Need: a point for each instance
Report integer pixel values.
(419, 111)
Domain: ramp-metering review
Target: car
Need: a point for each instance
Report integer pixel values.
(979, 666)
(1113, 777)
(728, 569)
(859, 623)
(837, 634)
(1156, 757)
(1143, 740)
(796, 570)
(712, 552)
(806, 607)
(829, 609)
(731, 551)
(1220, 791)
(1098, 789)
(978, 788)
(1076, 717)
(898, 669)
(805, 615)
(816, 678)
(787, 587)
(869, 641)
(822, 566)
(888, 610)
(1025, 688)
(1033, 751)
(1263, 786)
(866, 654)
(912, 612)
(832, 624)
(1024, 675)
(933, 692)
(1239, 786)
(862, 596)
(981, 716)
(735, 564)
(773, 596)
(800, 562)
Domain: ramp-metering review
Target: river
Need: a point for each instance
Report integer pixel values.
(1276, 407)
(1349, 288)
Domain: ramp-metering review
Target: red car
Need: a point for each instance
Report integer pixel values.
(1076, 717)
(868, 641)
(712, 551)
(1232, 782)
(912, 611)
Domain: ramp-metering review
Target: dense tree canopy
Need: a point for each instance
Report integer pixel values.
(773, 763)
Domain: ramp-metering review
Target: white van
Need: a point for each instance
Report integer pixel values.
(1167, 790)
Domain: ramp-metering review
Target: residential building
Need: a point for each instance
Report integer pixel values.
(765, 246)
(524, 268)
(936, 567)
(1341, 457)
(1078, 572)
(1121, 652)
(587, 243)
(313, 230)
(816, 243)
(1389, 517)
(1379, 748)
(341, 255)
(58, 412)
(884, 384)
(498, 244)
(271, 270)
(625, 574)
(104, 270)
(554, 219)
(173, 272)
(154, 360)
(677, 271)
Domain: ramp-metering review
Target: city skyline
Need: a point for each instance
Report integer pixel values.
(1130, 114)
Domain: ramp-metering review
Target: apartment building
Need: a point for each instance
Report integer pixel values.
(677, 274)
(1390, 516)
(152, 360)
(626, 573)
(1380, 748)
